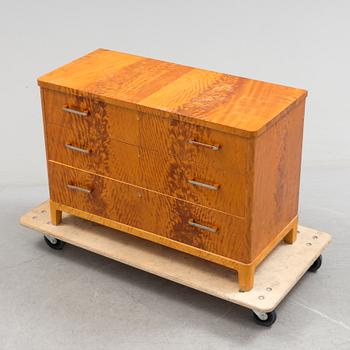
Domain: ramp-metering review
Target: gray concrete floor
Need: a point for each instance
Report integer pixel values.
(74, 299)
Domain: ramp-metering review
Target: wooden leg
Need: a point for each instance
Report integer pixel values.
(291, 235)
(56, 215)
(246, 278)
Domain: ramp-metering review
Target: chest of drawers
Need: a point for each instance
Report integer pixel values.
(202, 162)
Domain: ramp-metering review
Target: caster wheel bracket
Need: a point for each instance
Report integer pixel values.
(53, 242)
(266, 319)
(263, 316)
(51, 239)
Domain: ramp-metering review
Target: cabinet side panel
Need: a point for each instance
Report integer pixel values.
(277, 162)
(43, 110)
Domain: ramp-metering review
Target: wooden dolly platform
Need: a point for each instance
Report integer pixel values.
(274, 278)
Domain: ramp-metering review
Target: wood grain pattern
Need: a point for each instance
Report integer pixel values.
(171, 176)
(148, 169)
(150, 211)
(143, 129)
(103, 120)
(109, 157)
(276, 177)
(170, 136)
(167, 137)
(220, 101)
(164, 162)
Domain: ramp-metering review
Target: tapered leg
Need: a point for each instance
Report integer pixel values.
(56, 215)
(246, 278)
(291, 235)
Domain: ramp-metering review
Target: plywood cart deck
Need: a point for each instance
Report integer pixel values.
(274, 278)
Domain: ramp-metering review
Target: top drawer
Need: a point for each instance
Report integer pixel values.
(188, 142)
(91, 117)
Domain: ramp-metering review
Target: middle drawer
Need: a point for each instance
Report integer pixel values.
(210, 187)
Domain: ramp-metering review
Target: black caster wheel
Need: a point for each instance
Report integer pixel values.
(54, 243)
(265, 319)
(316, 265)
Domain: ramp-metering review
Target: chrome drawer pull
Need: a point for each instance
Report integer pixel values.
(80, 189)
(197, 143)
(77, 149)
(202, 184)
(203, 227)
(74, 111)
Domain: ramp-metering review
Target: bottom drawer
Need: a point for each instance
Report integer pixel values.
(204, 228)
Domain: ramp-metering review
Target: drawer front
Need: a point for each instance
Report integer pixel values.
(166, 216)
(210, 187)
(88, 151)
(89, 116)
(193, 143)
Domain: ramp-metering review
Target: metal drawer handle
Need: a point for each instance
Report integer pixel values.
(77, 149)
(203, 227)
(80, 189)
(202, 184)
(74, 111)
(197, 143)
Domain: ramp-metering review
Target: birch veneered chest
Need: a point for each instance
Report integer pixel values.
(199, 161)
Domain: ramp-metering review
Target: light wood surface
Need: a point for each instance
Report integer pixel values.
(274, 278)
(224, 102)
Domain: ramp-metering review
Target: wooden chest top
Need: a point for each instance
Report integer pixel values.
(223, 102)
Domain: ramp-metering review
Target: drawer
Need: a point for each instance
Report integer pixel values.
(166, 216)
(90, 116)
(203, 146)
(91, 152)
(210, 187)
